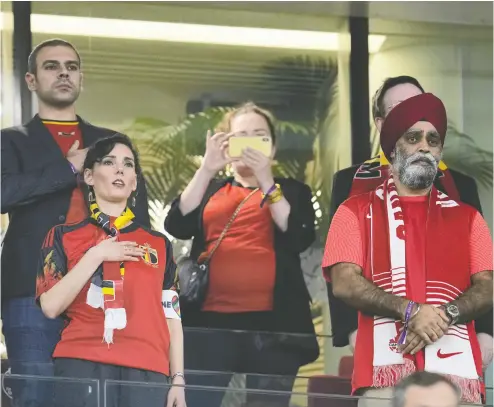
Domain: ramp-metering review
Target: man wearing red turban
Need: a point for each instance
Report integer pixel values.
(415, 262)
(365, 177)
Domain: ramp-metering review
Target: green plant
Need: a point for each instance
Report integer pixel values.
(171, 153)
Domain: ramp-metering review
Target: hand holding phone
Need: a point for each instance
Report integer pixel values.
(215, 157)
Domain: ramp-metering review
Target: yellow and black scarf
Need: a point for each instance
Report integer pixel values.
(106, 289)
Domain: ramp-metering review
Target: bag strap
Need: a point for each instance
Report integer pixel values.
(223, 233)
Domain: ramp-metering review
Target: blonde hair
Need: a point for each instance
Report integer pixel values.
(249, 107)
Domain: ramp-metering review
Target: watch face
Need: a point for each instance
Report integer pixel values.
(453, 310)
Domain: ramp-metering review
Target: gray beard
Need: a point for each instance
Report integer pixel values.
(415, 176)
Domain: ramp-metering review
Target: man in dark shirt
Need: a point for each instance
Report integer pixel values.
(368, 176)
(40, 163)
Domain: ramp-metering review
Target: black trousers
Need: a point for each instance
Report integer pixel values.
(222, 349)
(85, 394)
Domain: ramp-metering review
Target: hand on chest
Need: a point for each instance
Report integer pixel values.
(152, 261)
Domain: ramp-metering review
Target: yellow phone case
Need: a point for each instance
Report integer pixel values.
(237, 144)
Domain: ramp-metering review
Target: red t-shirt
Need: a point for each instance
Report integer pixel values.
(144, 343)
(344, 243)
(65, 134)
(243, 269)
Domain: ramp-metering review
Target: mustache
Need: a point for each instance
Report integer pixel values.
(428, 157)
(64, 82)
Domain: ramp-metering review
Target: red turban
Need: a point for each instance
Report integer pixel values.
(424, 107)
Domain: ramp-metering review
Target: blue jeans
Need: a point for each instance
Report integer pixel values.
(30, 338)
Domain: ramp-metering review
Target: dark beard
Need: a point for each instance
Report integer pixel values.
(415, 177)
(50, 100)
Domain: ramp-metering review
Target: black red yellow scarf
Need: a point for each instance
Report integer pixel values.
(106, 289)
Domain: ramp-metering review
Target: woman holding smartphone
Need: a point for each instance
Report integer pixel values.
(256, 282)
(115, 282)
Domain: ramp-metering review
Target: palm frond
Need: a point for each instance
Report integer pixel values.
(169, 153)
(307, 85)
(166, 181)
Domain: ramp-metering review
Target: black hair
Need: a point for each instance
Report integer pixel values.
(104, 146)
(421, 379)
(54, 42)
(378, 98)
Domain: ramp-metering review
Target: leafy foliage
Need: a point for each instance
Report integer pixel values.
(171, 153)
(307, 88)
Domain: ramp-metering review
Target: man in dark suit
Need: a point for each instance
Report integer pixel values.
(41, 161)
(366, 177)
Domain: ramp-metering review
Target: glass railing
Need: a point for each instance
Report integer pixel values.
(261, 360)
(257, 353)
(295, 395)
(40, 391)
(67, 392)
(200, 396)
(236, 361)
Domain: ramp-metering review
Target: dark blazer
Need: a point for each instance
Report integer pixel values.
(37, 184)
(343, 317)
(291, 297)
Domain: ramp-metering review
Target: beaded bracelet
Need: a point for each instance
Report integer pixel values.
(408, 314)
(178, 374)
(275, 197)
(272, 194)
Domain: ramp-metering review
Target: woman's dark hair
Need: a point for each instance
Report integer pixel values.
(104, 146)
(249, 107)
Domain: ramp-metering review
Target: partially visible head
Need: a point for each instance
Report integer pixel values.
(111, 168)
(249, 120)
(393, 91)
(412, 139)
(426, 389)
(54, 73)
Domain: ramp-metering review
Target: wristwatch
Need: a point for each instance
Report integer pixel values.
(452, 312)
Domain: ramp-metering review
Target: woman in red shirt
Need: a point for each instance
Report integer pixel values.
(256, 283)
(115, 282)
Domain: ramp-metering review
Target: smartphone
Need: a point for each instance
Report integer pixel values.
(237, 144)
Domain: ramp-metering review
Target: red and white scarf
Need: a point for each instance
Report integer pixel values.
(386, 268)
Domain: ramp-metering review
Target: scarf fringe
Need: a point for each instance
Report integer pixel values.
(470, 388)
(108, 336)
(388, 376)
(115, 318)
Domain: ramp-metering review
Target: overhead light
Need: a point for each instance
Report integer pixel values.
(190, 33)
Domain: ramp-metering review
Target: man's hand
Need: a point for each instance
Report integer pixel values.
(412, 344)
(486, 344)
(430, 323)
(76, 157)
